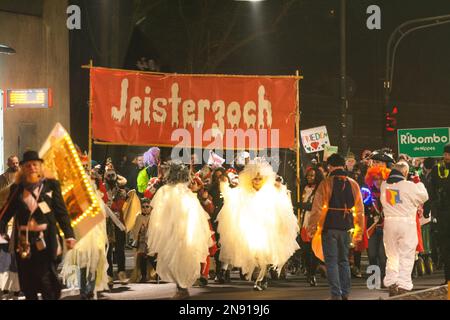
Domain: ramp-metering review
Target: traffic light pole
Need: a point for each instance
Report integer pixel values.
(396, 36)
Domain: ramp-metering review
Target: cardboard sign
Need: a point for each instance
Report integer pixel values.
(315, 139)
(328, 151)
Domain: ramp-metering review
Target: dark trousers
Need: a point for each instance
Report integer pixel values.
(311, 261)
(444, 244)
(87, 284)
(143, 265)
(335, 245)
(435, 249)
(119, 251)
(357, 259)
(38, 274)
(377, 255)
(143, 261)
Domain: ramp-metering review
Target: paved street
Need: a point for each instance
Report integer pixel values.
(294, 288)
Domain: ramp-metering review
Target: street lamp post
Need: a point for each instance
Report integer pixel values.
(343, 85)
(394, 39)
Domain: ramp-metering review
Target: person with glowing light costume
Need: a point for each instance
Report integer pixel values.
(337, 212)
(256, 224)
(178, 230)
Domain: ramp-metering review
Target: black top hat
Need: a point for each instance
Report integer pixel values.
(30, 156)
(382, 155)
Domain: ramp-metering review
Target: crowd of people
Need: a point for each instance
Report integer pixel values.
(397, 211)
(198, 222)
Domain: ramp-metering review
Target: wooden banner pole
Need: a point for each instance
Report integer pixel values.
(297, 141)
(90, 120)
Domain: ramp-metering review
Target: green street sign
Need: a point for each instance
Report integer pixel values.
(425, 142)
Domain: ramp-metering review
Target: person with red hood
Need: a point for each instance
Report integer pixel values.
(375, 217)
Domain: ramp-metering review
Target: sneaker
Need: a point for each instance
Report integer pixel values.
(123, 278)
(393, 290)
(258, 286)
(312, 281)
(356, 272)
(181, 294)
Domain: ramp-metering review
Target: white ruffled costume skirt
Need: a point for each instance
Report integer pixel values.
(89, 252)
(9, 278)
(257, 228)
(179, 233)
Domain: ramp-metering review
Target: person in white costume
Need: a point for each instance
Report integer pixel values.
(257, 224)
(9, 279)
(178, 230)
(86, 265)
(400, 200)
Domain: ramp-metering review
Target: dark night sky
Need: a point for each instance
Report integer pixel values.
(307, 39)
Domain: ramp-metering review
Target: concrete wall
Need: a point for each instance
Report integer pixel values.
(41, 61)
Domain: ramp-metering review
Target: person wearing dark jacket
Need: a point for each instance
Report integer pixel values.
(36, 203)
(440, 198)
(337, 209)
(313, 178)
(131, 169)
(218, 175)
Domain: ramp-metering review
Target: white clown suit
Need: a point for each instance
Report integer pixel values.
(400, 200)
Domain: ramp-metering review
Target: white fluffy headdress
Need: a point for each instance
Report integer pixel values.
(251, 170)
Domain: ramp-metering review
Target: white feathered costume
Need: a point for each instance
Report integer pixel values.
(257, 228)
(178, 229)
(90, 253)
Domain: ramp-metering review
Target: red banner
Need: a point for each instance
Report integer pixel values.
(229, 112)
